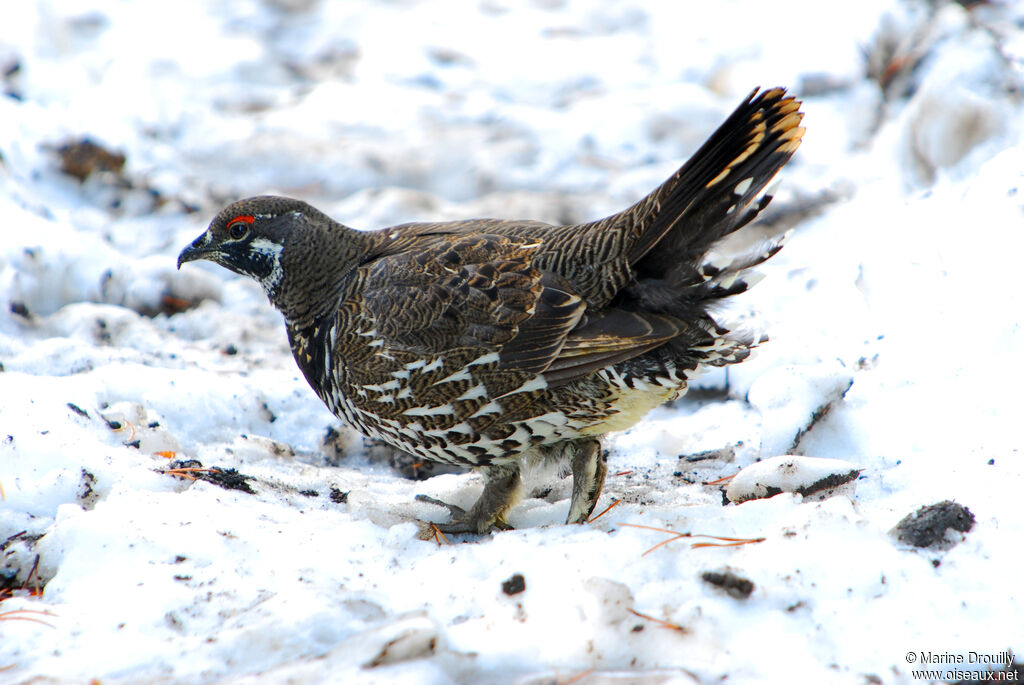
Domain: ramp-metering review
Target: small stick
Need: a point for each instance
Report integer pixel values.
(185, 472)
(16, 615)
(615, 503)
(33, 573)
(120, 428)
(438, 535)
(576, 678)
(665, 624)
(726, 542)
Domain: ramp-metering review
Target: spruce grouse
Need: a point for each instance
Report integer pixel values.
(485, 341)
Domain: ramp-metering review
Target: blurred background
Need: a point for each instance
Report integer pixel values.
(381, 112)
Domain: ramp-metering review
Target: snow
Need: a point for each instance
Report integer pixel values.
(894, 313)
(789, 473)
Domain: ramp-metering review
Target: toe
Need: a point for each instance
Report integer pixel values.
(456, 511)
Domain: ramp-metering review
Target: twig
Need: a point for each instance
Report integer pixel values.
(438, 535)
(576, 678)
(120, 427)
(33, 573)
(615, 503)
(734, 542)
(664, 624)
(185, 472)
(16, 615)
(726, 542)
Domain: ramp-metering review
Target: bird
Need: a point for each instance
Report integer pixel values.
(487, 343)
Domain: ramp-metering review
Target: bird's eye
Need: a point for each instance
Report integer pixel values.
(239, 226)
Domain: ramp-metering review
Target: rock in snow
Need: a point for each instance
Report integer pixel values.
(802, 475)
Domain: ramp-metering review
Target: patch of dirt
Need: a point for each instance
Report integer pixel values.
(229, 479)
(927, 527)
(735, 586)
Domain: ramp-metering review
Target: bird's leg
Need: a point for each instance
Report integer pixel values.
(588, 471)
(501, 490)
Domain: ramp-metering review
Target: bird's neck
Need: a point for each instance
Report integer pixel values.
(316, 272)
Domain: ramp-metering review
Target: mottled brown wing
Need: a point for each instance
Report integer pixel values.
(475, 291)
(483, 291)
(608, 338)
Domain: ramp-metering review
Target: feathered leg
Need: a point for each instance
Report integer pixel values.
(588, 472)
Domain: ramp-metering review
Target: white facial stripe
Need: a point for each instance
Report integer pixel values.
(272, 250)
(268, 247)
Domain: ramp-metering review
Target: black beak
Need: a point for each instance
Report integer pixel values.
(198, 249)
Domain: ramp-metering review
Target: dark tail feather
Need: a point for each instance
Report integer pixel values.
(727, 277)
(713, 194)
(660, 309)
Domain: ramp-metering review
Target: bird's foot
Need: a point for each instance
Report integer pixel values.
(462, 521)
(501, 489)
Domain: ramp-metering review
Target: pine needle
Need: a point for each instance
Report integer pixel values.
(723, 541)
(615, 503)
(664, 624)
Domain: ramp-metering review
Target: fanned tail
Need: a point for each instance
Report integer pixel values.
(716, 192)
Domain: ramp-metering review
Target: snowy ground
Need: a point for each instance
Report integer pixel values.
(901, 277)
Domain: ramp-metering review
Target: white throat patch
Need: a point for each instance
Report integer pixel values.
(273, 251)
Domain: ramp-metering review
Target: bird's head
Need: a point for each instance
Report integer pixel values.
(289, 247)
(249, 237)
